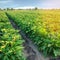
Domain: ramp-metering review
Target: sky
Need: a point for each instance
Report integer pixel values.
(29, 4)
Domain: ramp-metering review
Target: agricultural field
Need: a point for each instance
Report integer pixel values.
(10, 41)
(41, 26)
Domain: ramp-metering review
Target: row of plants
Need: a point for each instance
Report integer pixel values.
(10, 41)
(41, 26)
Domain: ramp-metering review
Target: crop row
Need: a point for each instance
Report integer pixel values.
(10, 41)
(42, 27)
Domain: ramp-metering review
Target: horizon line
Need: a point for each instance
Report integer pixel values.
(29, 7)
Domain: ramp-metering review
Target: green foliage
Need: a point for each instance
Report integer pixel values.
(10, 41)
(41, 26)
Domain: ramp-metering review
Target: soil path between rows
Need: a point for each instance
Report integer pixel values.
(30, 50)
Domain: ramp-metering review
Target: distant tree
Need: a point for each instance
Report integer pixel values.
(7, 9)
(36, 8)
(12, 9)
(4, 9)
(0, 9)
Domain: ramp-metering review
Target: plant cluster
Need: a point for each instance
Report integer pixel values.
(10, 41)
(42, 27)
